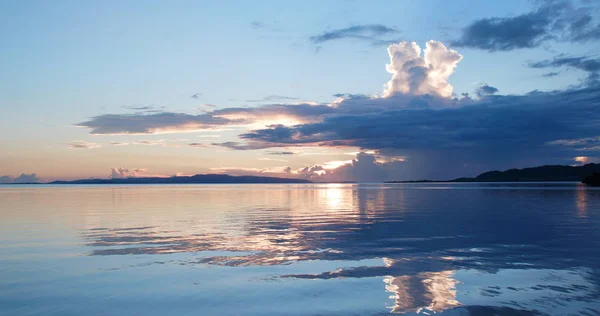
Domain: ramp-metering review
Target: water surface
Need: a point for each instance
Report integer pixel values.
(316, 249)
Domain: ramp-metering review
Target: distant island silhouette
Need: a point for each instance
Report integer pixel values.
(535, 174)
(588, 174)
(199, 178)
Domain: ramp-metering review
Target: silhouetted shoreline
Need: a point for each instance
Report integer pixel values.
(549, 173)
(199, 179)
(592, 180)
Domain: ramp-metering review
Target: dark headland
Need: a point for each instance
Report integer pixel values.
(592, 180)
(199, 178)
(535, 174)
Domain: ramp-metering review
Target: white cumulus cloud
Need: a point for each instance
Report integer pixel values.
(414, 74)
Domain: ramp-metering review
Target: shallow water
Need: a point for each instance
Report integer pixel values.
(326, 249)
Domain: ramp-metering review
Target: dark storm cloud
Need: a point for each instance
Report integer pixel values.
(435, 134)
(499, 125)
(493, 34)
(364, 168)
(553, 20)
(140, 123)
(373, 33)
(485, 89)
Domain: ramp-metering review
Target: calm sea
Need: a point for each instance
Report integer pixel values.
(320, 249)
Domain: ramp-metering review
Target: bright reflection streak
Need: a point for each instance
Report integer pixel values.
(581, 201)
(426, 291)
(334, 197)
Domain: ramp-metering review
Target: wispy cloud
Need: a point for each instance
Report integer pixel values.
(149, 142)
(274, 98)
(281, 153)
(139, 108)
(242, 146)
(79, 144)
(173, 142)
(550, 74)
(590, 65)
(144, 109)
(272, 159)
(257, 24)
(373, 33)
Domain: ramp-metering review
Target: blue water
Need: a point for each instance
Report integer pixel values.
(320, 249)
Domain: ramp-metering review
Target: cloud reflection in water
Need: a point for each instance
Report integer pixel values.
(428, 239)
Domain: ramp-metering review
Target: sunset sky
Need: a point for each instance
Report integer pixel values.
(322, 90)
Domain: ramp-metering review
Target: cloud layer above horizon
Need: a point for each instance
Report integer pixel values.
(417, 117)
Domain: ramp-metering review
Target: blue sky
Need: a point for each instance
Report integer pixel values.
(66, 62)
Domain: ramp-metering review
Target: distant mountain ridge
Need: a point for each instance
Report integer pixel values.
(199, 178)
(542, 173)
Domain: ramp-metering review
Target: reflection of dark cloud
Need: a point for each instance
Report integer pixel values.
(421, 244)
(493, 310)
(478, 229)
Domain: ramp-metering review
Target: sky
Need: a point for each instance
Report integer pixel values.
(320, 90)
